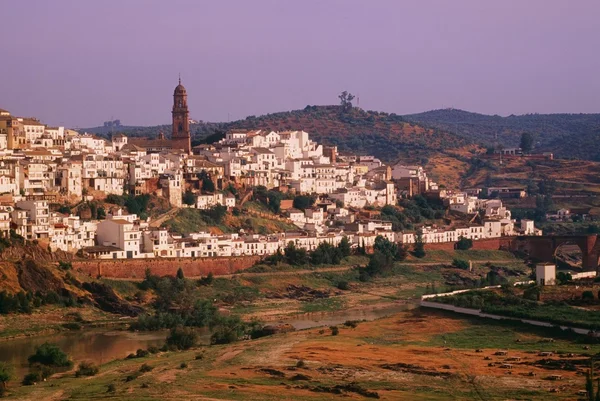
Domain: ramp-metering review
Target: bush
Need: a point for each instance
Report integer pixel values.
(460, 264)
(50, 355)
(153, 350)
(183, 365)
(111, 388)
(300, 363)
(141, 353)
(351, 323)
(182, 338)
(334, 330)
(31, 378)
(564, 277)
(587, 295)
(464, 244)
(146, 368)
(227, 329)
(6, 373)
(208, 280)
(86, 369)
(72, 326)
(343, 285)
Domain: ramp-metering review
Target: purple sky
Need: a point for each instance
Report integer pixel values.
(79, 63)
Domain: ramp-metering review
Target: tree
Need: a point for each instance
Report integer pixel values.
(274, 201)
(346, 101)
(6, 373)
(526, 142)
(295, 256)
(182, 337)
(386, 247)
(227, 329)
(464, 243)
(189, 198)
(532, 188)
(419, 246)
(303, 202)
(180, 275)
(207, 184)
(101, 213)
(344, 247)
(50, 355)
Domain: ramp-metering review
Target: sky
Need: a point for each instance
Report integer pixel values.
(80, 63)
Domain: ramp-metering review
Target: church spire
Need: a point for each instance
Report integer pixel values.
(179, 78)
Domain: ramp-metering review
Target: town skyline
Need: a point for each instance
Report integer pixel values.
(526, 58)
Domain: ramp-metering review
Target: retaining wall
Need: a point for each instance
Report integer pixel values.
(192, 267)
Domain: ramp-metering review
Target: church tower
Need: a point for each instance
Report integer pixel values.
(181, 138)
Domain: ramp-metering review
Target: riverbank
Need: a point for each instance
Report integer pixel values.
(417, 354)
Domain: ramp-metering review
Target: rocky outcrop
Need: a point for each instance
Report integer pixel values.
(107, 300)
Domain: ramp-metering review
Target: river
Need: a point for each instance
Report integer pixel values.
(104, 345)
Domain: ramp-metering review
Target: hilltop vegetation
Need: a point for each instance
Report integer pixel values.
(387, 136)
(384, 135)
(566, 135)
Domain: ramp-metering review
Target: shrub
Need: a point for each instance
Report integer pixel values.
(300, 363)
(31, 378)
(227, 329)
(199, 357)
(183, 365)
(111, 388)
(334, 330)
(460, 264)
(587, 295)
(351, 323)
(153, 350)
(65, 265)
(182, 338)
(464, 243)
(208, 280)
(72, 326)
(50, 355)
(6, 373)
(132, 376)
(343, 285)
(564, 277)
(142, 353)
(146, 368)
(86, 369)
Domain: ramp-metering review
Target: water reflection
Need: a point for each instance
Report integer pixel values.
(88, 345)
(104, 346)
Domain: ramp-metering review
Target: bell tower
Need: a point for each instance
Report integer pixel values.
(181, 138)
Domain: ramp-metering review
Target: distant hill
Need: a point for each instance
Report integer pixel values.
(199, 130)
(387, 136)
(566, 135)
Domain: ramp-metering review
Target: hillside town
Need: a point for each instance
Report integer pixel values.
(43, 165)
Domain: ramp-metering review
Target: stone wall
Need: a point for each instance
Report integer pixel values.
(491, 244)
(136, 268)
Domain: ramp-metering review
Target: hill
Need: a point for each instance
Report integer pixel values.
(566, 135)
(387, 136)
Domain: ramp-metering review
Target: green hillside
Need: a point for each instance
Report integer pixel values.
(566, 135)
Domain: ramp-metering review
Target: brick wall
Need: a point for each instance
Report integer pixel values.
(136, 268)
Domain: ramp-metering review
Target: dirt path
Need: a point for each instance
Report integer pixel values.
(163, 217)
